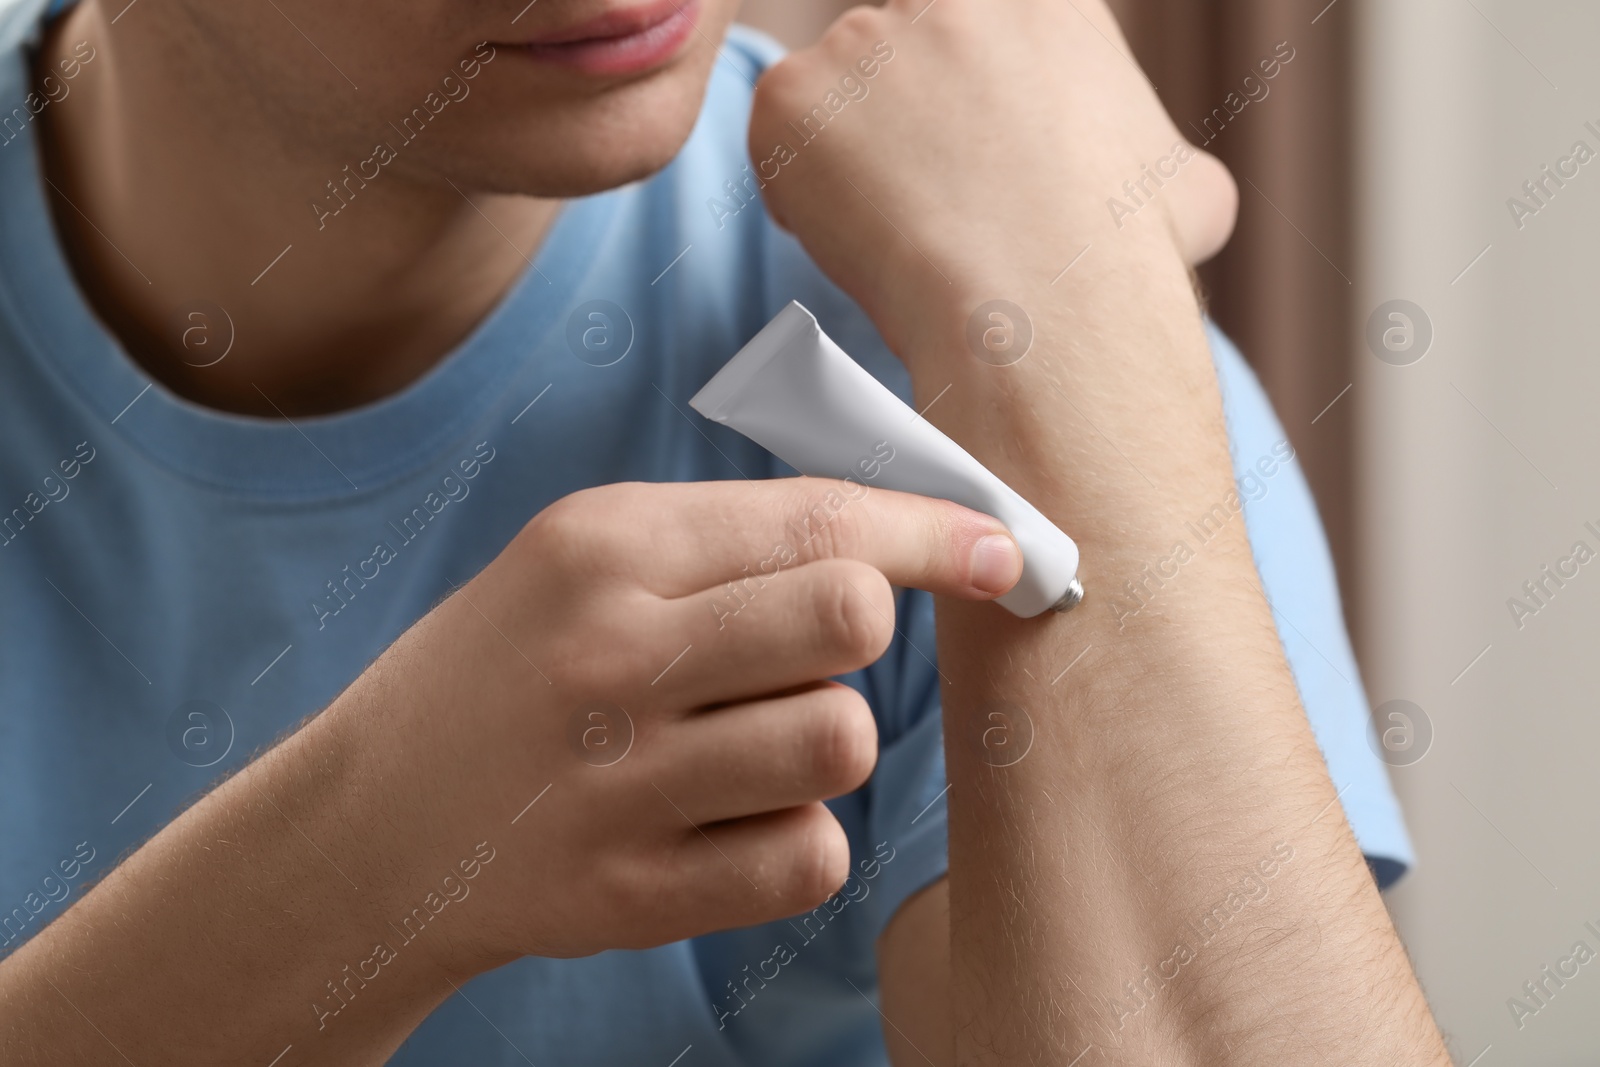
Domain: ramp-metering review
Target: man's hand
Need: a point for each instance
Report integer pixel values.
(658, 656)
(619, 735)
(991, 140)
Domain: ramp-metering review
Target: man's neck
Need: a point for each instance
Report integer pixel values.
(185, 212)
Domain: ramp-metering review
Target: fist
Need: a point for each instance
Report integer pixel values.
(946, 147)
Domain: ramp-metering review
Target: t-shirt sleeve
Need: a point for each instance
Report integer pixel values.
(907, 793)
(1291, 552)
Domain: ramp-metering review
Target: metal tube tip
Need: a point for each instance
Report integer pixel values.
(1071, 598)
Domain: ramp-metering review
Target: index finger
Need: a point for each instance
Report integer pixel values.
(698, 535)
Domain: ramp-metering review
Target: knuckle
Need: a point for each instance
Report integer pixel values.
(856, 24)
(630, 890)
(1225, 200)
(579, 673)
(620, 881)
(845, 746)
(850, 612)
(606, 647)
(778, 89)
(561, 524)
(821, 858)
(1208, 208)
(827, 528)
(587, 530)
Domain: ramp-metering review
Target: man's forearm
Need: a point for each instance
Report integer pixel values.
(1171, 769)
(231, 935)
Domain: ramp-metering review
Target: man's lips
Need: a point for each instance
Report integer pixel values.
(623, 41)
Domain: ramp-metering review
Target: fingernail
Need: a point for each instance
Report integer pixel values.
(996, 564)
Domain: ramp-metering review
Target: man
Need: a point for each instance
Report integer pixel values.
(339, 344)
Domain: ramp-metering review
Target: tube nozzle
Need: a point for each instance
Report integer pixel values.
(1071, 598)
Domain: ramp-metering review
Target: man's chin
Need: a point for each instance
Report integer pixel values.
(570, 149)
(572, 175)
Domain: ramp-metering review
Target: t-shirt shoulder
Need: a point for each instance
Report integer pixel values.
(20, 22)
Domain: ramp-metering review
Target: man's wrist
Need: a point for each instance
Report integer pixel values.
(377, 799)
(1074, 387)
(926, 296)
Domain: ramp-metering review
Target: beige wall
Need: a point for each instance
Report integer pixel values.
(1459, 455)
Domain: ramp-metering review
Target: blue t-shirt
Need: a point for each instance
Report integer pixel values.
(176, 584)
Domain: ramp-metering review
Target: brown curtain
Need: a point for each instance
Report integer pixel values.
(1283, 288)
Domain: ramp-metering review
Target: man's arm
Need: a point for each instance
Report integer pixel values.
(1104, 890)
(1166, 877)
(216, 942)
(914, 980)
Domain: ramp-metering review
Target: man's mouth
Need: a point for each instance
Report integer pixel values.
(627, 40)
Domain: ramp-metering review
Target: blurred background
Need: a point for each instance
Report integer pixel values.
(1431, 348)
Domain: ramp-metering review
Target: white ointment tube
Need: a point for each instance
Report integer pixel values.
(796, 393)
